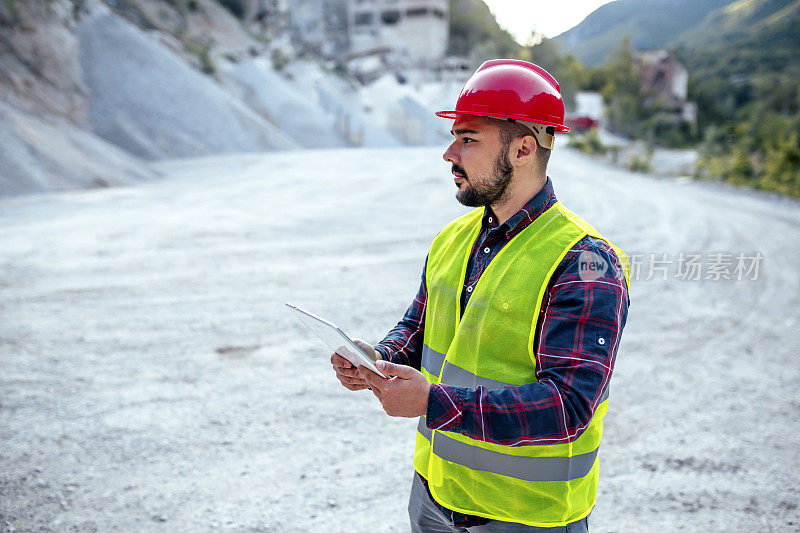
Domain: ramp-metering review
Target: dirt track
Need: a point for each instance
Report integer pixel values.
(152, 381)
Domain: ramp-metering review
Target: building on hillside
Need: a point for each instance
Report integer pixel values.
(408, 32)
(665, 83)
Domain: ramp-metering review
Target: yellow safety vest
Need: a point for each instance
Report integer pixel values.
(542, 485)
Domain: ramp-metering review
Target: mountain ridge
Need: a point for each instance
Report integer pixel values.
(651, 24)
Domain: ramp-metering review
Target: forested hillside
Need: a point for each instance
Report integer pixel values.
(475, 34)
(649, 24)
(743, 59)
(744, 65)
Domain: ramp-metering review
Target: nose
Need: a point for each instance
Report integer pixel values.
(450, 154)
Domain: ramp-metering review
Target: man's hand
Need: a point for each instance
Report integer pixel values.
(348, 374)
(405, 394)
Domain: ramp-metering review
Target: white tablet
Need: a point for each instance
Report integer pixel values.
(335, 338)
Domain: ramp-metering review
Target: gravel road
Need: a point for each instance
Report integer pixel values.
(150, 379)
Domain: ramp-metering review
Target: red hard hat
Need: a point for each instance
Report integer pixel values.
(511, 88)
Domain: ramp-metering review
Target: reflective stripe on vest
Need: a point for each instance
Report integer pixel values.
(455, 375)
(527, 468)
(432, 362)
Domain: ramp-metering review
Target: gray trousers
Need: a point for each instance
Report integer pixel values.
(427, 518)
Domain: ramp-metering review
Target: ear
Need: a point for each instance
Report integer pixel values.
(521, 151)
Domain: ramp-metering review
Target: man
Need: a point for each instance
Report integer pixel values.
(507, 351)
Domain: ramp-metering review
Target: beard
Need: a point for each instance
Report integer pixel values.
(491, 190)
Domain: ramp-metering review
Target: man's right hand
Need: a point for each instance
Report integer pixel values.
(348, 374)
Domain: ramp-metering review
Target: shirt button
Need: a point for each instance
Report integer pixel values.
(601, 341)
(487, 250)
(469, 289)
(490, 220)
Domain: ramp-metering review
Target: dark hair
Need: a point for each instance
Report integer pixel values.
(511, 130)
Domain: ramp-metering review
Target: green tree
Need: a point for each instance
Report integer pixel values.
(621, 92)
(475, 34)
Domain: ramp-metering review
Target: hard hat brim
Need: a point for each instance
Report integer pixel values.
(559, 128)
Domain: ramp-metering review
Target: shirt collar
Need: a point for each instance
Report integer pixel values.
(541, 202)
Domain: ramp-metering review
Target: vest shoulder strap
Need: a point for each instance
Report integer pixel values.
(579, 221)
(590, 230)
(464, 220)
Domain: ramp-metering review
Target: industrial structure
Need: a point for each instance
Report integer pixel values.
(665, 83)
(413, 31)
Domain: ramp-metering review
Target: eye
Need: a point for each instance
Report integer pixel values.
(468, 140)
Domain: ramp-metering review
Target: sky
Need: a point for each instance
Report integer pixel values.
(547, 17)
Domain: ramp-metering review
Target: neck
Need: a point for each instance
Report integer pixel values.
(519, 195)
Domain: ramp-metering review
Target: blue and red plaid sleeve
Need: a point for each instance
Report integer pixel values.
(403, 344)
(579, 328)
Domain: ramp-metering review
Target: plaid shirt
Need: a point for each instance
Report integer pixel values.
(577, 335)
